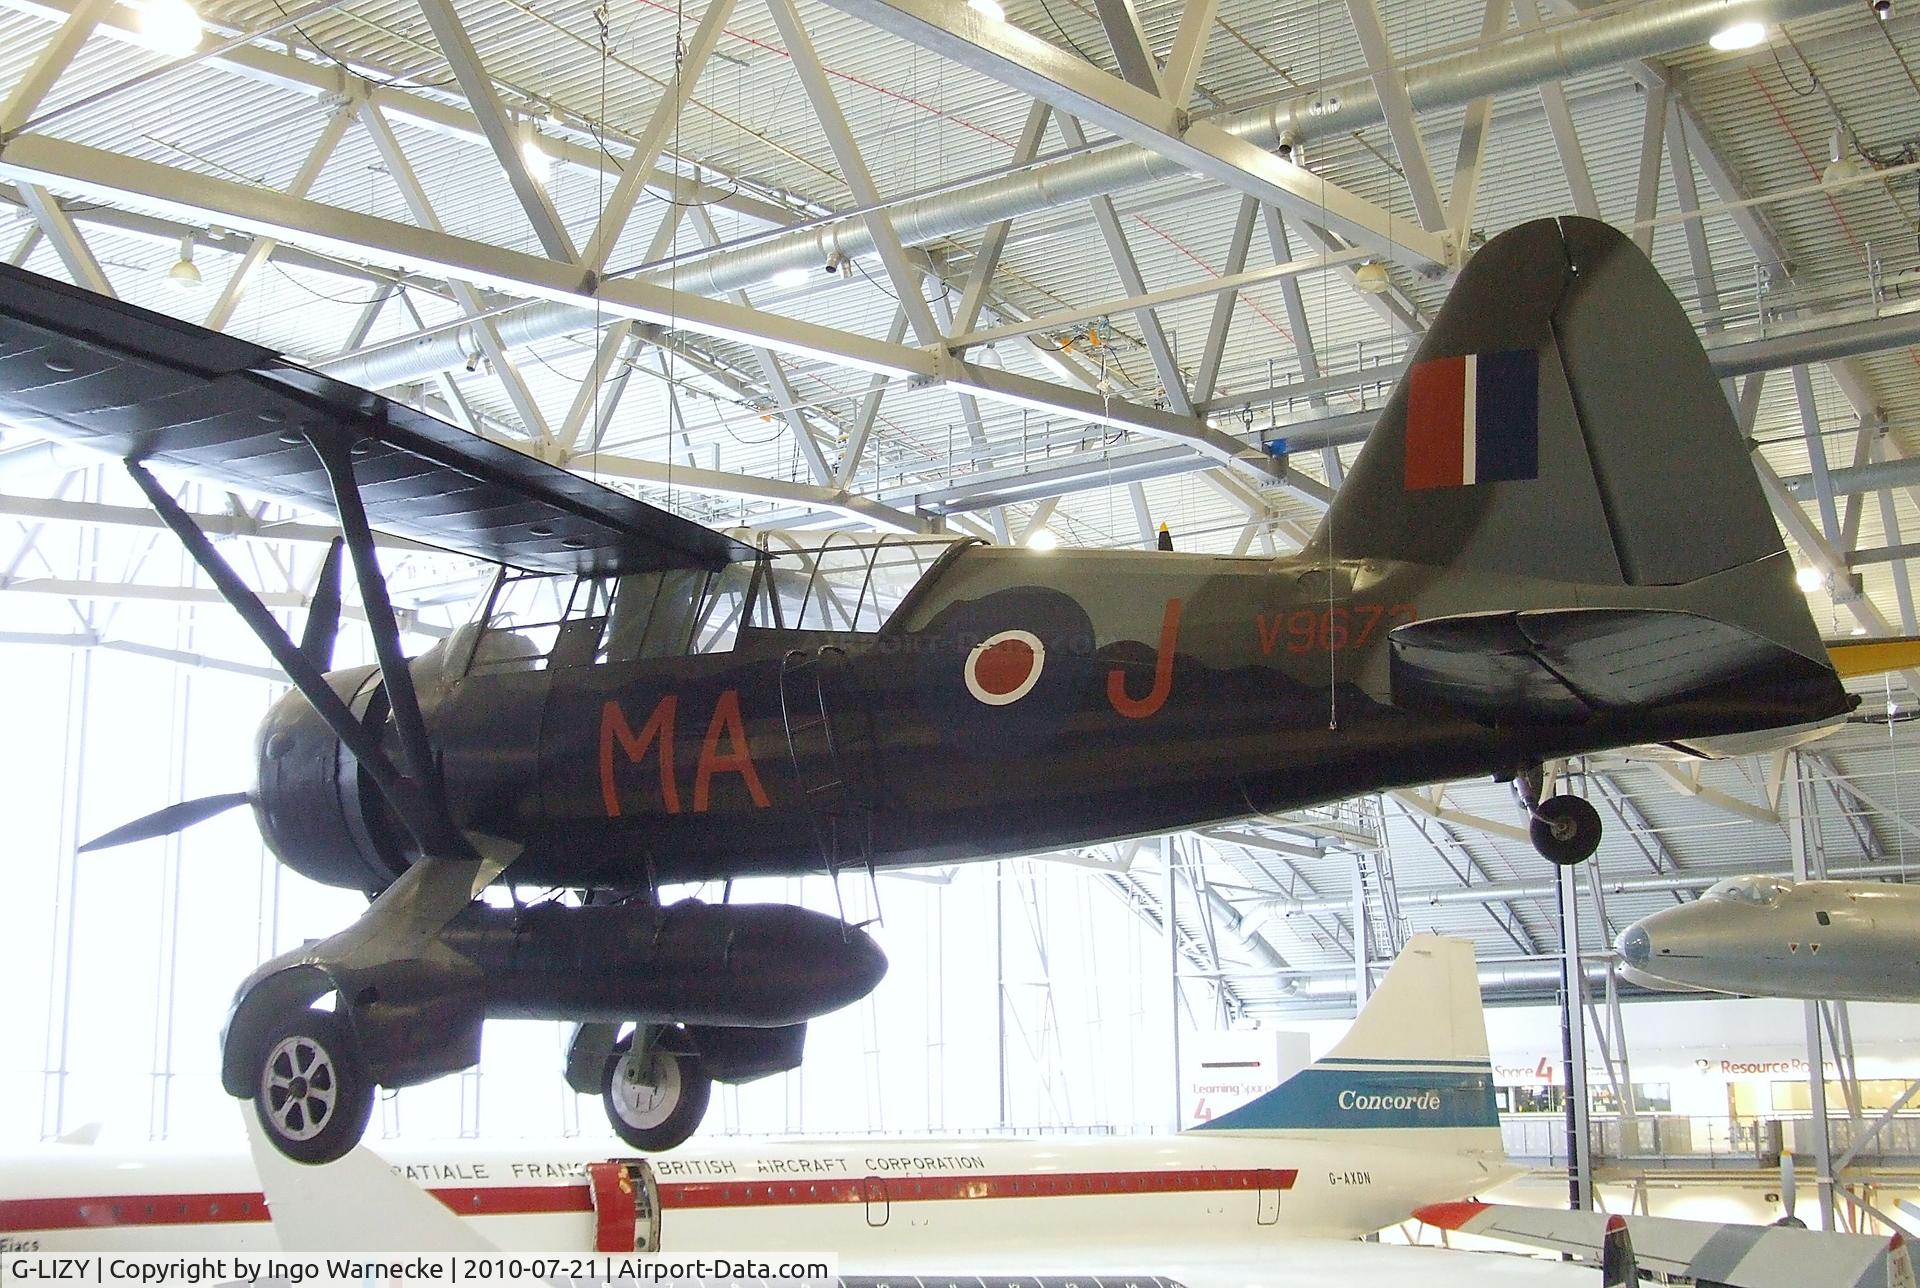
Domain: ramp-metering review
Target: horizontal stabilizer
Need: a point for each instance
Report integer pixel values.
(1740, 1256)
(1566, 664)
(146, 387)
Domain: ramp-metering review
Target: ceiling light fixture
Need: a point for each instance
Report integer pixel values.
(1841, 163)
(184, 276)
(1808, 580)
(1738, 35)
(170, 27)
(988, 9)
(1045, 539)
(1371, 278)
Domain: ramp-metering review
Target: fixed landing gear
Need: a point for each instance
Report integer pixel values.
(655, 1096)
(1564, 829)
(312, 1090)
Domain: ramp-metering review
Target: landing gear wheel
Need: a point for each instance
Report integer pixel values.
(1565, 829)
(313, 1092)
(657, 1100)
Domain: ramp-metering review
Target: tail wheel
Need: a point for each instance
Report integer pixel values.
(312, 1092)
(1565, 829)
(655, 1100)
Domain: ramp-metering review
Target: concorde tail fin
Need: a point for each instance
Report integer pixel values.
(1415, 1061)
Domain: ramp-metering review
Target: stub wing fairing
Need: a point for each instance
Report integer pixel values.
(146, 387)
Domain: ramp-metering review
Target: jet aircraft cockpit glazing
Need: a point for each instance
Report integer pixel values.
(1763, 891)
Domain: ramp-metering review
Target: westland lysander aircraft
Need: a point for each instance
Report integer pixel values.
(1552, 544)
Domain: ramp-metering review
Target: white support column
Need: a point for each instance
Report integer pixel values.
(53, 60)
(1817, 458)
(853, 169)
(1890, 525)
(72, 248)
(1206, 378)
(261, 248)
(1573, 1041)
(856, 448)
(986, 260)
(400, 170)
(1189, 51)
(1120, 251)
(1566, 139)
(477, 85)
(1646, 199)
(1803, 869)
(1402, 128)
(1470, 152)
(1035, 66)
(647, 147)
(1129, 43)
(1680, 162)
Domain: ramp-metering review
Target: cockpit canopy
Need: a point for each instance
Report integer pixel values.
(1761, 890)
(839, 583)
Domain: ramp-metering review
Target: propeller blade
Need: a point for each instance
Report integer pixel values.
(323, 616)
(1787, 1195)
(165, 822)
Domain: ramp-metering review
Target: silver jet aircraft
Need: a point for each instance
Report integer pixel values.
(1855, 941)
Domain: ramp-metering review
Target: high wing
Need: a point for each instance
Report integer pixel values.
(153, 389)
(1740, 1256)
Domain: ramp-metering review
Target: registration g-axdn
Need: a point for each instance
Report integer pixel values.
(1551, 544)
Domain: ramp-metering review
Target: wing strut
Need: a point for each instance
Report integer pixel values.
(422, 769)
(419, 812)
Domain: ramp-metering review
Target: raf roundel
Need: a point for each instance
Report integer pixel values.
(1003, 668)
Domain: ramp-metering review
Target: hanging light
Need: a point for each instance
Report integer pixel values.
(1809, 580)
(1045, 539)
(1738, 35)
(1371, 278)
(170, 27)
(1841, 163)
(184, 276)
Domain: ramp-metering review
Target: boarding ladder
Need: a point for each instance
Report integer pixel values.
(839, 808)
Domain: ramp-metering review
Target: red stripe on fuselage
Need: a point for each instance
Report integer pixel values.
(107, 1211)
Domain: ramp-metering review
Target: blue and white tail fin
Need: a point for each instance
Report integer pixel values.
(1412, 1070)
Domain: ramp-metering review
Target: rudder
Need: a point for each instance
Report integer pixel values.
(1415, 1059)
(1558, 421)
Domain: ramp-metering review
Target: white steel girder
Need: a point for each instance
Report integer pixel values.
(1042, 69)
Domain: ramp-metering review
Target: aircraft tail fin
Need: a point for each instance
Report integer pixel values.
(1561, 459)
(1415, 1060)
(1559, 420)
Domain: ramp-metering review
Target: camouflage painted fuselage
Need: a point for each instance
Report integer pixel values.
(1147, 692)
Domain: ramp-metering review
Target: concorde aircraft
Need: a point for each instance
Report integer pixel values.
(1767, 936)
(1272, 1198)
(1551, 544)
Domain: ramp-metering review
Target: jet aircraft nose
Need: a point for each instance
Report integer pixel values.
(1635, 946)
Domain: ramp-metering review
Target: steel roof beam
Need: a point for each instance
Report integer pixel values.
(1034, 66)
(52, 60)
(456, 46)
(1391, 89)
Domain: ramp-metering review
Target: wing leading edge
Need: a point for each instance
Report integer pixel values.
(151, 388)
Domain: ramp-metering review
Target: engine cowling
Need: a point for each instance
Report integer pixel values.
(319, 813)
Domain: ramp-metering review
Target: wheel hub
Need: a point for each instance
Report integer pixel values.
(300, 1087)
